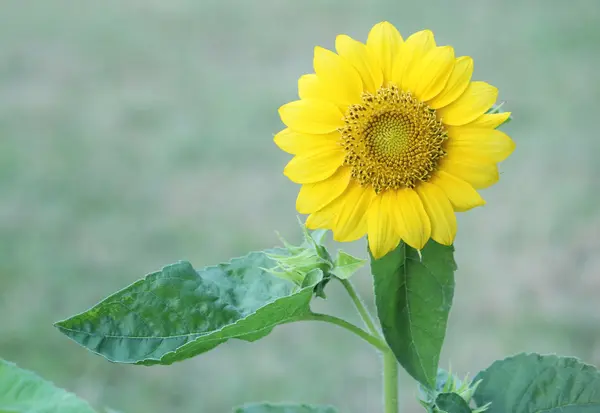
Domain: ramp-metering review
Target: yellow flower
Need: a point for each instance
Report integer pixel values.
(390, 139)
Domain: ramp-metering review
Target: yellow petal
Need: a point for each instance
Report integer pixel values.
(456, 85)
(412, 222)
(384, 41)
(413, 50)
(440, 212)
(362, 59)
(490, 121)
(322, 219)
(474, 102)
(313, 197)
(479, 142)
(342, 80)
(346, 216)
(479, 173)
(462, 195)
(286, 140)
(383, 236)
(429, 76)
(301, 143)
(314, 166)
(309, 87)
(351, 222)
(311, 116)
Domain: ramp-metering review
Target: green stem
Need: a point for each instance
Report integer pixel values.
(390, 382)
(390, 365)
(374, 341)
(362, 310)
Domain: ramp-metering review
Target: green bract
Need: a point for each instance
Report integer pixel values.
(346, 265)
(294, 263)
(449, 395)
(450, 403)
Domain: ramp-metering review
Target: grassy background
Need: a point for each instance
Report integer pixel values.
(134, 133)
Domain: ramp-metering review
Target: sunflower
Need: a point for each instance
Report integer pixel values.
(391, 138)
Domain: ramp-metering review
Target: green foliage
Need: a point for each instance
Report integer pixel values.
(451, 403)
(451, 394)
(178, 313)
(284, 408)
(443, 381)
(413, 293)
(22, 391)
(346, 265)
(532, 383)
(294, 262)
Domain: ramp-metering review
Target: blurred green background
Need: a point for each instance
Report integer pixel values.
(134, 133)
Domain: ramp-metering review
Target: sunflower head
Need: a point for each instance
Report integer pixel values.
(391, 138)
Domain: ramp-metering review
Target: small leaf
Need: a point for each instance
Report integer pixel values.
(319, 236)
(452, 403)
(312, 278)
(178, 313)
(295, 262)
(413, 293)
(284, 408)
(346, 265)
(532, 383)
(443, 383)
(22, 391)
(451, 386)
(444, 380)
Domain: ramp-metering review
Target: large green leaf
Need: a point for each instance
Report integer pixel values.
(178, 313)
(413, 293)
(284, 408)
(532, 383)
(452, 403)
(22, 391)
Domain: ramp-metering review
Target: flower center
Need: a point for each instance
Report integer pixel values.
(392, 140)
